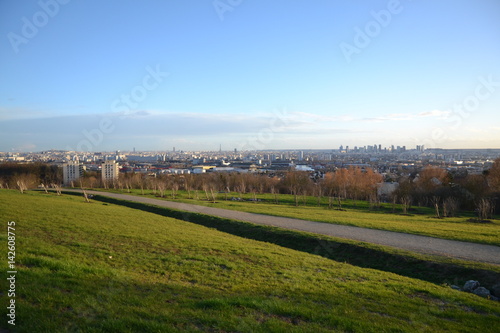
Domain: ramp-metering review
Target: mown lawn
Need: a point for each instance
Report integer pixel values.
(98, 267)
(421, 221)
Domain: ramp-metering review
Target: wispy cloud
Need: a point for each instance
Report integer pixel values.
(438, 114)
(159, 128)
(306, 118)
(435, 113)
(12, 113)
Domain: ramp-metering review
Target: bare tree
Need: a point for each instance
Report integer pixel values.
(138, 181)
(210, 188)
(127, 181)
(188, 184)
(405, 203)
(329, 187)
(394, 201)
(242, 183)
(450, 207)
(356, 185)
(274, 192)
(93, 181)
(213, 194)
(24, 181)
(239, 191)
(297, 183)
(153, 184)
(339, 201)
(374, 200)
(21, 185)
(319, 193)
(435, 202)
(254, 195)
(85, 195)
(485, 209)
(57, 188)
(494, 176)
(174, 188)
(335, 185)
(206, 188)
(161, 186)
(304, 192)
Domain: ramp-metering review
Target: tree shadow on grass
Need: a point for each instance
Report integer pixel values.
(354, 253)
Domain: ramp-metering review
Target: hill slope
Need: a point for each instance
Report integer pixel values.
(357, 214)
(100, 267)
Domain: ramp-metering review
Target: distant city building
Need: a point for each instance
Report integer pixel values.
(72, 171)
(303, 168)
(145, 158)
(110, 171)
(387, 189)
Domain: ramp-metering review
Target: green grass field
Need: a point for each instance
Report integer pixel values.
(421, 221)
(97, 267)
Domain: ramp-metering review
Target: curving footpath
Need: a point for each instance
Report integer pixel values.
(416, 243)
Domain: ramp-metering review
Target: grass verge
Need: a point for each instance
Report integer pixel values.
(356, 213)
(100, 267)
(434, 269)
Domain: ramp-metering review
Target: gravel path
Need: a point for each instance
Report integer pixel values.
(421, 244)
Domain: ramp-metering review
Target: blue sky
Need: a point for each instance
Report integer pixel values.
(106, 75)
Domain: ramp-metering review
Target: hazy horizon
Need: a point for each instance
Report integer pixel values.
(250, 75)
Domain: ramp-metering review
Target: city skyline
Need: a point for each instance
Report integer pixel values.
(248, 75)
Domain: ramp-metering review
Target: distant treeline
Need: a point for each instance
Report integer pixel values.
(31, 173)
(430, 186)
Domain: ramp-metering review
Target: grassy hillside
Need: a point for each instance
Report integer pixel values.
(97, 267)
(436, 269)
(420, 222)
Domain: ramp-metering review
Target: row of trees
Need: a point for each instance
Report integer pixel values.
(351, 183)
(447, 193)
(431, 186)
(24, 176)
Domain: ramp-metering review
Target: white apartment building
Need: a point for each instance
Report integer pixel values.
(110, 171)
(72, 171)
